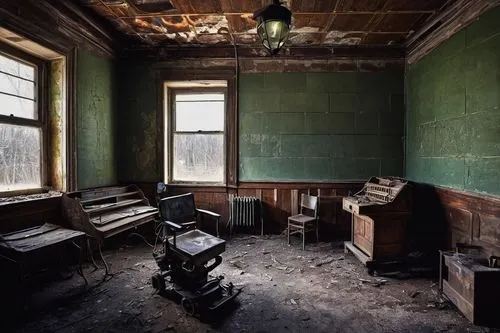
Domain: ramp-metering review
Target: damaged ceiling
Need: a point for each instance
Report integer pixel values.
(227, 22)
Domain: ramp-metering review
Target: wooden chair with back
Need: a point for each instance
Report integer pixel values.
(306, 220)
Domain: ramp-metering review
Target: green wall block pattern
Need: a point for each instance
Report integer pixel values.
(318, 167)
(272, 146)
(482, 174)
(478, 33)
(253, 121)
(366, 123)
(260, 102)
(482, 76)
(483, 133)
(320, 126)
(304, 102)
(343, 102)
(453, 111)
(330, 82)
(341, 145)
(450, 137)
(448, 171)
(96, 163)
(391, 166)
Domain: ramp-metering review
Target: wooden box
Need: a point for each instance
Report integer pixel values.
(472, 286)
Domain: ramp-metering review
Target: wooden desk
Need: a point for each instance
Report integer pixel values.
(34, 248)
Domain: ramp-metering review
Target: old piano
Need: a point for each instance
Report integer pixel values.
(104, 212)
(380, 212)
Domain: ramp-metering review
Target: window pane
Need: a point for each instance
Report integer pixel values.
(20, 162)
(198, 157)
(16, 86)
(199, 116)
(17, 68)
(18, 107)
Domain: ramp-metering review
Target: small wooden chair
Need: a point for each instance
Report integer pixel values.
(306, 220)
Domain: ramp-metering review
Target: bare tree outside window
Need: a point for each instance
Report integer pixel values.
(20, 130)
(198, 137)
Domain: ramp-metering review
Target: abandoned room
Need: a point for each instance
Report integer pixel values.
(250, 166)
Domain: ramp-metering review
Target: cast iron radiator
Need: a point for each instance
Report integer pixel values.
(244, 212)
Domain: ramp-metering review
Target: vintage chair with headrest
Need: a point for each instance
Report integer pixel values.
(182, 210)
(186, 254)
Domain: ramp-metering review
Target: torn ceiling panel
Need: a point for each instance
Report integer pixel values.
(226, 22)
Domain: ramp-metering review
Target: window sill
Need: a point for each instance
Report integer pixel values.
(26, 195)
(199, 186)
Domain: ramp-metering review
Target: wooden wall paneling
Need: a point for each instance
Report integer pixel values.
(294, 202)
(443, 217)
(279, 201)
(247, 192)
(272, 215)
(489, 233)
(460, 224)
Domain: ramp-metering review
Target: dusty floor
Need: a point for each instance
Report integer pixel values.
(285, 289)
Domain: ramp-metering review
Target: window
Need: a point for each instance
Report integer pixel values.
(21, 126)
(197, 123)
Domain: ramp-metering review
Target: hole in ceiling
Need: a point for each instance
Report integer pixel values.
(151, 6)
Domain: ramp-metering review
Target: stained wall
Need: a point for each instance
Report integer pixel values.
(96, 162)
(320, 126)
(453, 111)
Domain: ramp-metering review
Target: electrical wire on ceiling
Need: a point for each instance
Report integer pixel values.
(236, 88)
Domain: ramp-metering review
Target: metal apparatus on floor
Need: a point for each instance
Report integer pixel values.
(187, 256)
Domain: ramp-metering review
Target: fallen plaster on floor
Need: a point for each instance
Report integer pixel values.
(285, 289)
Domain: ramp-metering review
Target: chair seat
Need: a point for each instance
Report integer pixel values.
(301, 218)
(198, 246)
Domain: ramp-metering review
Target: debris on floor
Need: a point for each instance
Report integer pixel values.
(285, 289)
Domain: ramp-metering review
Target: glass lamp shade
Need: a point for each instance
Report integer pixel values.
(273, 33)
(273, 25)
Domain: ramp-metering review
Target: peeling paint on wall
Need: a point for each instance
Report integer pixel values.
(57, 124)
(95, 113)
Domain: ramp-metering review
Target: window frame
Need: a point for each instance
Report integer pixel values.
(41, 109)
(170, 128)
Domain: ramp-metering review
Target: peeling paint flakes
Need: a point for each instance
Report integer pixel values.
(212, 24)
(339, 37)
(306, 29)
(187, 36)
(349, 41)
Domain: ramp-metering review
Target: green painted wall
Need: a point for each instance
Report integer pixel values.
(453, 111)
(320, 126)
(137, 128)
(95, 121)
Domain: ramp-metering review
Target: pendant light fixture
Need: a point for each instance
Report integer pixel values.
(273, 26)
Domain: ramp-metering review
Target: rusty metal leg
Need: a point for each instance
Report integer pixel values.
(79, 270)
(303, 239)
(91, 254)
(288, 232)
